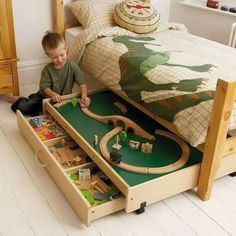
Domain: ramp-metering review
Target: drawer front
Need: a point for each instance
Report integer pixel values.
(76, 199)
(6, 79)
(163, 187)
(45, 159)
(98, 210)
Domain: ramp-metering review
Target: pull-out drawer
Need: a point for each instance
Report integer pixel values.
(139, 189)
(62, 173)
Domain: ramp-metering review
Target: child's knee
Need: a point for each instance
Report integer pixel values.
(27, 107)
(16, 105)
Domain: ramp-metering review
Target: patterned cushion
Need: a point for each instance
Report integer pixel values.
(90, 12)
(137, 16)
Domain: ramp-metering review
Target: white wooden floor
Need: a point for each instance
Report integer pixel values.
(31, 203)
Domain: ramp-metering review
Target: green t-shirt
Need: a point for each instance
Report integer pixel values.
(61, 80)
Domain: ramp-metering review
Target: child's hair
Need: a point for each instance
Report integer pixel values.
(52, 40)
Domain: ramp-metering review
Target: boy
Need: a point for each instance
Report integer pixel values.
(57, 78)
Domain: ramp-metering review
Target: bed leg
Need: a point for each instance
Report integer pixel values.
(216, 137)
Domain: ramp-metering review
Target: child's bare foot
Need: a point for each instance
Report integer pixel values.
(12, 98)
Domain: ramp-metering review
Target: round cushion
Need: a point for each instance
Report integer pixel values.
(137, 16)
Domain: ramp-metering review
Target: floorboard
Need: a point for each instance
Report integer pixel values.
(167, 221)
(25, 194)
(194, 217)
(216, 210)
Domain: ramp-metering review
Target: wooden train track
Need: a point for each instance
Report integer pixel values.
(118, 120)
(129, 124)
(142, 169)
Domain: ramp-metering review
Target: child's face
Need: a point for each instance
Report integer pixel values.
(58, 55)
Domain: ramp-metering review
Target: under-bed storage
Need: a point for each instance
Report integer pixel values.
(145, 189)
(137, 190)
(64, 174)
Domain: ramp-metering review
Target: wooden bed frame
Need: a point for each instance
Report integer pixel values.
(219, 151)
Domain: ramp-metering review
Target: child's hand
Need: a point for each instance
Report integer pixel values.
(56, 97)
(85, 101)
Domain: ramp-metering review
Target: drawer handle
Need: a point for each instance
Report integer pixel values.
(39, 163)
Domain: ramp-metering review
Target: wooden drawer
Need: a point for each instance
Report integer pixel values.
(61, 176)
(144, 189)
(6, 78)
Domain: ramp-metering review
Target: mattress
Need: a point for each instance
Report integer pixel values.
(178, 78)
(71, 35)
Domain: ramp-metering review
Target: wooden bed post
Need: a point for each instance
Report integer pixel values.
(216, 137)
(58, 9)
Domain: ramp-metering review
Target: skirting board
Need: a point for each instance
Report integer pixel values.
(30, 72)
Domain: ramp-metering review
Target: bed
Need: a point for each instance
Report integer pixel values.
(197, 104)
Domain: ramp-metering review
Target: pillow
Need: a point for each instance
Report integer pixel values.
(137, 16)
(94, 12)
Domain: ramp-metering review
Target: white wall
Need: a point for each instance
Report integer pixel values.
(207, 24)
(32, 18)
(163, 7)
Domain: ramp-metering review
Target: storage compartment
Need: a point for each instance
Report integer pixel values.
(97, 189)
(46, 136)
(67, 152)
(140, 184)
